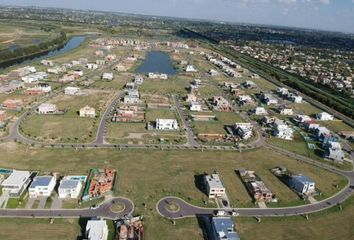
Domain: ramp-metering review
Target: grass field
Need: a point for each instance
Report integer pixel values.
(164, 87)
(68, 127)
(145, 176)
(218, 126)
(291, 228)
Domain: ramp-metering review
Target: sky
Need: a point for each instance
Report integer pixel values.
(337, 15)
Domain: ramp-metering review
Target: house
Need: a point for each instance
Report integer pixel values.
(42, 186)
(107, 76)
(78, 73)
(283, 131)
(46, 108)
(195, 106)
(67, 78)
(2, 115)
(213, 73)
(324, 116)
(302, 184)
(260, 111)
(130, 86)
(319, 131)
(191, 98)
(268, 99)
(34, 77)
(255, 76)
(11, 86)
(12, 104)
(286, 111)
(138, 79)
(249, 84)
(311, 125)
(96, 230)
(132, 97)
(100, 62)
(243, 130)
(223, 228)
(16, 183)
(302, 118)
(69, 188)
(190, 68)
(166, 124)
(120, 68)
(245, 100)
(56, 70)
(47, 62)
(197, 82)
(283, 91)
(72, 91)
(333, 151)
(221, 104)
(110, 57)
(87, 111)
(214, 186)
(295, 98)
(91, 66)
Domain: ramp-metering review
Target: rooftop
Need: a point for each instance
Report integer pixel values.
(41, 181)
(224, 227)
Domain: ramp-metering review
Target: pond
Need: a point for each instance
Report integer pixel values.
(157, 62)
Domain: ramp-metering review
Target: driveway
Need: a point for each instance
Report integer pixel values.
(42, 201)
(57, 203)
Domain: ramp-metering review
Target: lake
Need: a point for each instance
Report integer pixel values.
(157, 62)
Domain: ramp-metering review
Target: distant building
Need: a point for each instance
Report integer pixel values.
(195, 106)
(72, 91)
(283, 131)
(46, 108)
(333, 151)
(224, 229)
(87, 111)
(324, 116)
(96, 230)
(214, 186)
(269, 99)
(42, 186)
(16, 183)
(107, 76)
(138, 79)
(166, 124)
(190, 68)
(243, 130)
(260, 111)
(91, 66)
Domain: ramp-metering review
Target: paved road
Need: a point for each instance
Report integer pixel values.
(189, 132)
(103, 211)
(100, 137)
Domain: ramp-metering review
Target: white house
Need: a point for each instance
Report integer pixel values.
(138, 79)
(260, 111)
(295, 98)
(166, 124)
(223, 228)
(195, 106)
(16, 183)
(244, 130)
(190, 68)
(42, 186)
(72, 91)
(69, 188)
(34, 77)
(302, 118)
(282, 91)
(87, 111)
(96, 230)
(91, 66)
(107, 76)
(214, 186)
(132, 97)
(302, 184)
(333, 150)
(269, 99)
(46, 108)
(283, 131)
(324, 116)
(286, 111)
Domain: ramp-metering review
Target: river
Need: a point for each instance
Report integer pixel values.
(73, 43)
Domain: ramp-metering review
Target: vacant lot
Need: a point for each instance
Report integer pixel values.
(39, 229)
(69, 127)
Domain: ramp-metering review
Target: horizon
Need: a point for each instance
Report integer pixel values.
(345, 25)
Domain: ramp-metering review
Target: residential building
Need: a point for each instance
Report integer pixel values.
(42, 186)
(195, 106)
(46, 108)
(12, 104)
(249, 84)
(138, 79)
(12, 86)
(107, 76)
(34, 77)
(243, 130)
(324, 116)
(91, 66)
(132, 97)
(2, 115)
(120, 68)
(286, 111)
(87, 111)
(56, 70)
(302, 118)
(221, 104)
(245, 99)
(224, 229)
(72, 91)
(96, 230)
(260, 111)
(302, 184)
(283, 131)
(333, 151)
(69, 188)
(166, 124)
(214, 186)
(190, 68)
(269, 99)
(295, 98)
(191, 98)
(16, 183)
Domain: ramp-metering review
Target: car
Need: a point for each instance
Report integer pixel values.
(94, 206)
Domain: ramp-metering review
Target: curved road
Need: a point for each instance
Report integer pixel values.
(103, 211)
